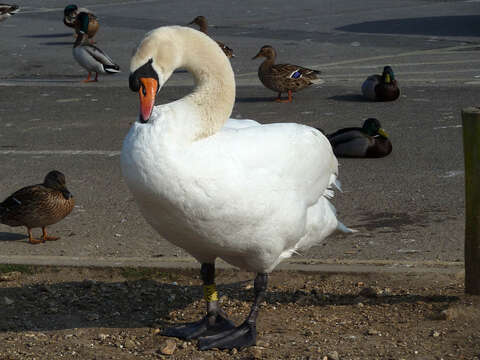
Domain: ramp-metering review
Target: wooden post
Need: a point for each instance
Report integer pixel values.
(471, 150)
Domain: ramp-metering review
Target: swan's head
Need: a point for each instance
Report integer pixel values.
(157, 56)
(167, 48)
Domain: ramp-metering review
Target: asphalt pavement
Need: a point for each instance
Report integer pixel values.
(408, 207)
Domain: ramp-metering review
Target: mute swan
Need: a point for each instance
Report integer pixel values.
(381, 87)
(370, 141)
(284, 77)
(38, 206)
(248, 193)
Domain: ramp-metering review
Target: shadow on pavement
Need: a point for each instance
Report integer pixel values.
(147, 302)
(466, 25)
(6, 236)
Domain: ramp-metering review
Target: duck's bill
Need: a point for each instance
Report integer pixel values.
(383, 132)
(147, 92)
(256, 56)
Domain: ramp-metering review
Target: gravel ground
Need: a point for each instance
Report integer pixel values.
(118, 313)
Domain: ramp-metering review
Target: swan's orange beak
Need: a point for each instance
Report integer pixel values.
(148, 90)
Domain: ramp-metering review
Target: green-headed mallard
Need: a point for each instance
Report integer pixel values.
(381, 87)
(369, 141)
(284, 77)
(38, 206)
(7, 10)
(87, 24)
(201, 21)
(92, 58)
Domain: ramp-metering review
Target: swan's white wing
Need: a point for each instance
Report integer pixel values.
(240, 123)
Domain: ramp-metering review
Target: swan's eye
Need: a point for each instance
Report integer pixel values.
(144, 91)
(134, 83)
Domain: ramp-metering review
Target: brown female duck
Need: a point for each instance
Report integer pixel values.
(284, 77)
(38, 206)
(86, 24)
(381, 87)
(201, 21)
(369, 141)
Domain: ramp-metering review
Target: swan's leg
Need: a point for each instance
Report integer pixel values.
(214, 322)
(246, 334)
(31, 239)
(46, 237)
(96, 76)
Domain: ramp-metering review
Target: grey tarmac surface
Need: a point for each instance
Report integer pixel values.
(408, 207)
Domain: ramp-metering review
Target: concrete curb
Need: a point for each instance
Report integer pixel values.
(310, 265)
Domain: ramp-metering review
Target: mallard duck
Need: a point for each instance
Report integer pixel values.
(7, 10)
(370, 141)
(284, 77)
(38, 206)
(381, 87)
(87, 24)
(199, 181)
(201, 21)
(92, 58)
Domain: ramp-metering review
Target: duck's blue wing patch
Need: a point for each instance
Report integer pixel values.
(296, 74)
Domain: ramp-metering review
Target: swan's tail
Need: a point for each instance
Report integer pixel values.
(342, 228)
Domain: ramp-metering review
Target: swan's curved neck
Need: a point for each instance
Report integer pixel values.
(211, 102)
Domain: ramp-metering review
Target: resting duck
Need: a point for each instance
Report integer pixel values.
(198, 180)
(38, 206)
(7, 10)
(86, 24)
(284, 77)
(201, 21)
(381, 87)
(92, 58)
(369, 141)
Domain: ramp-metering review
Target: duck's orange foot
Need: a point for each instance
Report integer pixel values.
(35, 241)
(51, 238)
(282, 100)
(89, 80)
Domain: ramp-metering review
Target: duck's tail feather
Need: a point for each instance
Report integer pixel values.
(111, 69)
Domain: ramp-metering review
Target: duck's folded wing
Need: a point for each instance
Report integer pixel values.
(98, 55)
(23, 197)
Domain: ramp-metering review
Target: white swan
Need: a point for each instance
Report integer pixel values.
(248, 193)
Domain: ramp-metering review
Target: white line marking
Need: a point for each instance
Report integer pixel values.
(60, 152)
(447, 127)
(380, 57)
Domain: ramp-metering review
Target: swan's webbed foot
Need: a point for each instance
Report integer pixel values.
(241, 337)
(203, 327)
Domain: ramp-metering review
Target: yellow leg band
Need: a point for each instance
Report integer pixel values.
(210, 293)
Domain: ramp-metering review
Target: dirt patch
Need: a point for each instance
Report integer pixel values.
(91, 313)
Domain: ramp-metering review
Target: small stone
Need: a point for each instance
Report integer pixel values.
(7, 301)
(129, 344)
(168, 347)
(256, 352)
(234, 351)
(435, 333)
(333, 356)
(92, 317)
(372, 332)
(156, 331)
(102, 337)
